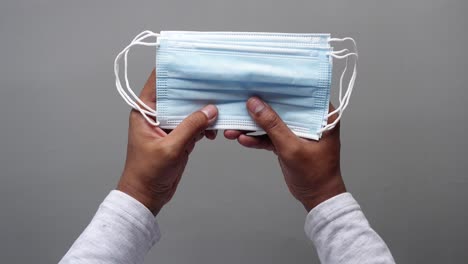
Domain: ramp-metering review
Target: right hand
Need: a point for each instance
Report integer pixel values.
(156, 158)
(311, 168)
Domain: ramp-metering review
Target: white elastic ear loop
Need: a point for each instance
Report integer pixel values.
(126, 97)
(350, 87)
(126, 75)
(138, 40)
(342, 74)
(343, 99)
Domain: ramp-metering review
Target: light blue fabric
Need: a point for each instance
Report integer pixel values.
(291, 72)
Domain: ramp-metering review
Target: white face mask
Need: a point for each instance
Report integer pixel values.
(291, 72)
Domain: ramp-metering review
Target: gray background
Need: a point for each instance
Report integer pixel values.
(64, 127)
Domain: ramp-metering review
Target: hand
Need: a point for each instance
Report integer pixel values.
(156, 158)
(311, 168)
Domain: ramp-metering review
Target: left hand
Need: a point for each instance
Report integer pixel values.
(311, 168)
(156, 158)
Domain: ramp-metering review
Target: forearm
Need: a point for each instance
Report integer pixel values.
(122, 231)
(342, 234)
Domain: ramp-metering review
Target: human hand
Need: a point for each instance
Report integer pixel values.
(156, 158)
(311, 168)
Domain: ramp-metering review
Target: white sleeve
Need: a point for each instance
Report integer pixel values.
(122, 231)
(341, 233)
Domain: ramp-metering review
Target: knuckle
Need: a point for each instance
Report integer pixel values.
(270, 120)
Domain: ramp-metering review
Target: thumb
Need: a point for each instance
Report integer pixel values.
(269, 120)
(193, 125)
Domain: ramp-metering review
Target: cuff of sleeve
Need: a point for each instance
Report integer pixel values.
(328, 211)
(135, 212)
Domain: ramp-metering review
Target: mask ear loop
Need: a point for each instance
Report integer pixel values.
(343, 99)
(139, 105)
(126, 97)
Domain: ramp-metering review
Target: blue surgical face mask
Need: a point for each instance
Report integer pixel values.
(291, 72)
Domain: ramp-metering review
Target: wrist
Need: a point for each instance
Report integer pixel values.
(140, 193)
(333, 187)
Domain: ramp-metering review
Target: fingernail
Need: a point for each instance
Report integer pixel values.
(255, 105)
(210, 111)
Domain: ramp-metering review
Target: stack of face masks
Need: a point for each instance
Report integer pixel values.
(291, 72)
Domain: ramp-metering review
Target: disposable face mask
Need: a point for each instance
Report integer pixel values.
(291, 72)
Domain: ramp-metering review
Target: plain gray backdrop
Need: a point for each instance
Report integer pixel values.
(64, 130)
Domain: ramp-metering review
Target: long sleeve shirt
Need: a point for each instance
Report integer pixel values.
(123, 230)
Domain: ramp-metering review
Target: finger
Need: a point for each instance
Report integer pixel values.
(148, 96)
(280, 134)
(331, 119)
(148, 93)
(257, 142)
(232, 134)
(193, 125)
(211, 134)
